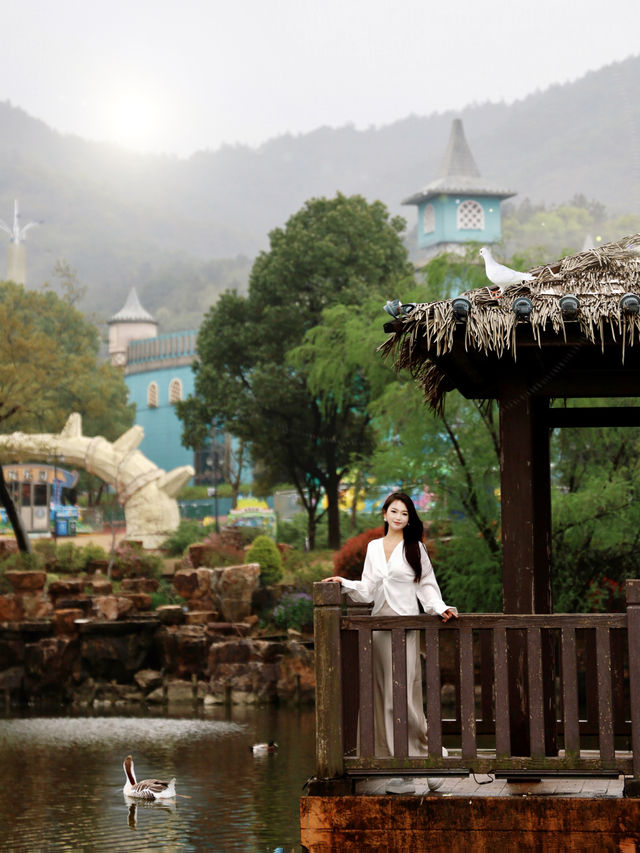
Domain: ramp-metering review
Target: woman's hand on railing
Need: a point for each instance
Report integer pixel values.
(334, 578)
(448, 614)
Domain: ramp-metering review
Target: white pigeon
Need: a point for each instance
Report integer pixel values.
(501, 275)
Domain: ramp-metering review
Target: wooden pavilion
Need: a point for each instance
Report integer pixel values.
(572, 332)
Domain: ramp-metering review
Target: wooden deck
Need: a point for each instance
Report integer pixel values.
(489, 786)
(568, 714)
(554, 816)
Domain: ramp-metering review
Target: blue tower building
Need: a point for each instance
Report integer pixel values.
(158, 373)
(459, 206)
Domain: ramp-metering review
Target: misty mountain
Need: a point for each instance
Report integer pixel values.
(183, 230)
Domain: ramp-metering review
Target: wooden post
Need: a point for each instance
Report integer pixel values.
(327, 599)
(632, 785)
(526, 544)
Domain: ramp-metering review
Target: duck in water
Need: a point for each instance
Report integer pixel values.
(148, 789)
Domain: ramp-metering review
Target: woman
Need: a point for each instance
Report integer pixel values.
(395, 578)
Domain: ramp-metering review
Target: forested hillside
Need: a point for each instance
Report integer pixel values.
(184, 230)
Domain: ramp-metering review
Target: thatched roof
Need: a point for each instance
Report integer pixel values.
(598, 277)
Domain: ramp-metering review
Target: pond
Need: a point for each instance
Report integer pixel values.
(62, 781)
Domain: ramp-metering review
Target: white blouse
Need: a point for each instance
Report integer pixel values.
(394, 582)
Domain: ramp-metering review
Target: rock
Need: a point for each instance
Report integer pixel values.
(112, 606)
(148, 679)
(235, 589)
(194, 585)
(231, 651)
(26, 581)
(139, 600)
(156, 697)
(100, 587)
(98, 566)
(11, 608)
(236, 629)
(147, 585)
(49, 662)
(117, 656)
(180, 692)
(170, 614)
(64, 620)
(296, 678)
(11, 679)
(36, 605)
(183, 649)
(84, 604)
(201, 617)
(68, 588)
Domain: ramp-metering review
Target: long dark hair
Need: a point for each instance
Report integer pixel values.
(412, 533)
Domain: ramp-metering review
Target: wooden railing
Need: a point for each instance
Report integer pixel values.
(579, 700)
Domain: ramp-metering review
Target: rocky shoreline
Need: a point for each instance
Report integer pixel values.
(77, 643)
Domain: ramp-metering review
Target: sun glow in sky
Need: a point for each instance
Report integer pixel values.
(133, 119)
(186, 75)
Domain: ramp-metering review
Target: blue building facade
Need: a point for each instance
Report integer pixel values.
(158, 374)
(459, 206)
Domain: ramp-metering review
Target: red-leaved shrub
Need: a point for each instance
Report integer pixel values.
(348, 562)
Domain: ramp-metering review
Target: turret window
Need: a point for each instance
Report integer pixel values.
(470, 216)
(429, 219)
(152, 395)
(175, 391)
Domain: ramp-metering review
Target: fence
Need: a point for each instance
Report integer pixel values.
(570, 682)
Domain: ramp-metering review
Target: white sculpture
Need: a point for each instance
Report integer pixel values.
(146, 491)
(17, 233)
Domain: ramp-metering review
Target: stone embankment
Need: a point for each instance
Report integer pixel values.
(82, 643)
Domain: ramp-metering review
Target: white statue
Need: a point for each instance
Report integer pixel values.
(146, 491)
(17, 233)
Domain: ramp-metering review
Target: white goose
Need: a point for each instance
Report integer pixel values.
(148, 789)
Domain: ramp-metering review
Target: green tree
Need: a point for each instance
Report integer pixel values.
(49, 368)
(335, 252)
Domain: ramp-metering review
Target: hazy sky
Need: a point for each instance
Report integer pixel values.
(177, 76)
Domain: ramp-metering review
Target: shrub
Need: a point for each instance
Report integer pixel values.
(131, 561)
(295, 610)
(23, 562)
(349, 560)
(265, 552)
(222, 549)
(165, 594)
(303, 568)
(188, 533)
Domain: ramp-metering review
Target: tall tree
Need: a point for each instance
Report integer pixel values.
(48, 368)
(333, 252)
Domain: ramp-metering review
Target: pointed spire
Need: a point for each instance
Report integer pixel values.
(458, 160)
(458, 173)
(132, 311)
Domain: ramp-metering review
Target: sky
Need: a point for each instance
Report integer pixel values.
(178, 76)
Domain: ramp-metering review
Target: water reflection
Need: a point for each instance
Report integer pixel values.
(63, 781)
(134, 805)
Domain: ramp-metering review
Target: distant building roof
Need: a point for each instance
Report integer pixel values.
(132, 311)
(458, 173)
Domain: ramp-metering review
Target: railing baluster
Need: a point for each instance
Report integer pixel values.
(633, 639)
(467, 694)
(501, 687)
(536, 698)
(365, 663)
(570, 693)
(434, 706)
(605, 705)
(399, 670)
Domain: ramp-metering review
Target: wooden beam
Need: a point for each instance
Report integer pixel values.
(605, 416)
